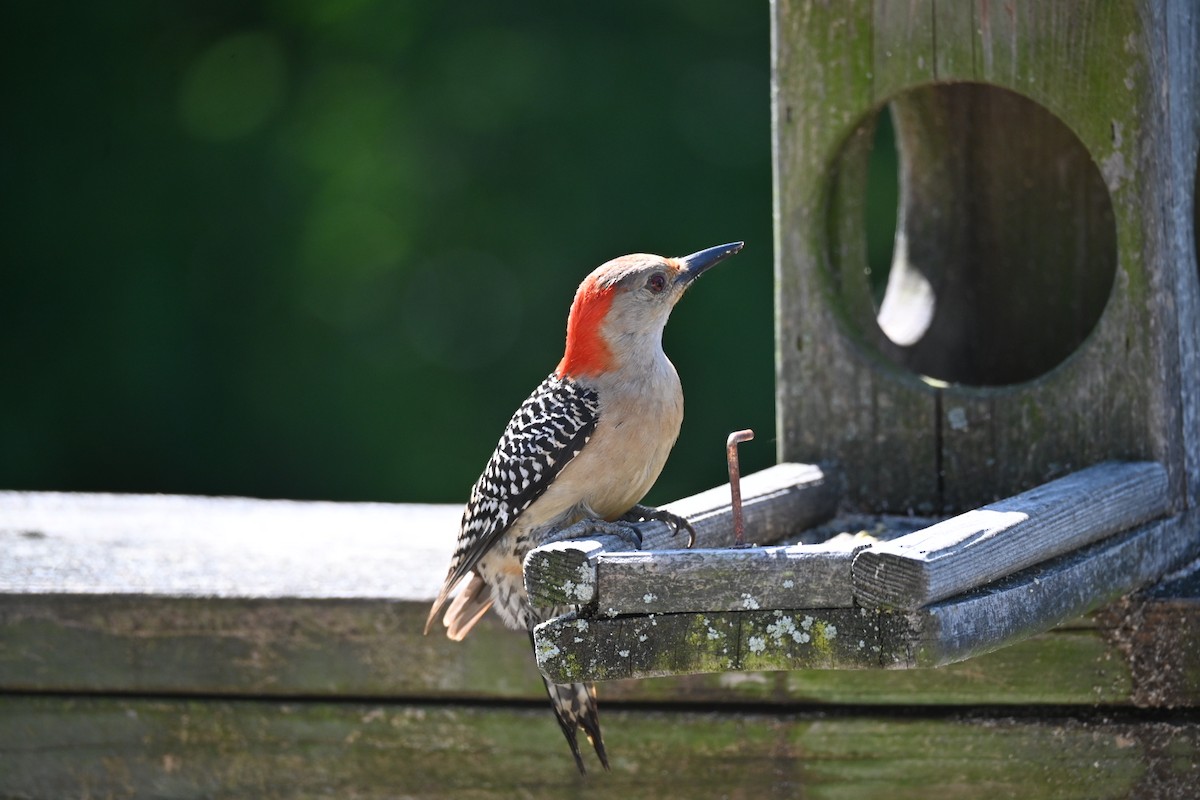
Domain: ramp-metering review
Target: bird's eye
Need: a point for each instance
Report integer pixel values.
(656, 282)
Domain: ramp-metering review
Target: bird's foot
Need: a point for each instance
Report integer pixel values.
(641, 513)
(590, 528)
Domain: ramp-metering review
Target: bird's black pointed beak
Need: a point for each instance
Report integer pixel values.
(698, 263)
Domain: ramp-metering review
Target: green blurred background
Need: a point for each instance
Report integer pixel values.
(323, 250)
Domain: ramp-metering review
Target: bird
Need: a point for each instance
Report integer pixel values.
(578, 456)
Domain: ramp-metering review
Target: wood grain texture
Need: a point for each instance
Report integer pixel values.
(54, 747)
(60, 636)
(997, 615)
(81, 638)
(1108, 71)
(1033, 600)
(777, 502)
(972, 549)
(1174, 65)
(223, 647)
(796, 576)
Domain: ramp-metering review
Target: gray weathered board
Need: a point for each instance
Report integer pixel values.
(604, 647)
(936, 562)
(777, 502)
(679, 611)
(232, 597)
(971, 549)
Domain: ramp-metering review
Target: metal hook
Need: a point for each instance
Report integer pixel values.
(735, 483)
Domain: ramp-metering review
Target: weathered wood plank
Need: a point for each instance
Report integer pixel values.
(252, 647)
(1067, 666)
(374, 649)
(796, 576)
(179, 546)
(329, 643)
(1175, 61)
(1121, 77)
(1034, 600)
(1031, 601)
(897, 68)
(570, 649)
(777, 502)
(971, 549)
(54, 747)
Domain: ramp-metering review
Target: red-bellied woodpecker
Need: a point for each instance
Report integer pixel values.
(578, 455)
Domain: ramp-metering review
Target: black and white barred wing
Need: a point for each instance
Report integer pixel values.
(546, 432)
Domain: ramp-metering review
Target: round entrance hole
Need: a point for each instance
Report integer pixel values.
(1004, 251)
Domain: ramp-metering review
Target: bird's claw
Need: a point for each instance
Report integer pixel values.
(641, 513)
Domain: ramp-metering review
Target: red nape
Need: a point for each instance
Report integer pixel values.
(587, 353)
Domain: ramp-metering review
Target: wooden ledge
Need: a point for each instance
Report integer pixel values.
(950, 591)
(179, 546)
(778, 502)
(971, 549)
(103, 594)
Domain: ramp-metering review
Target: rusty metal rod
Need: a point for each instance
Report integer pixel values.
(735, 483)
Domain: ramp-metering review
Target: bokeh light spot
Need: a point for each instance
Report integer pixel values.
(234, 87)
(347, 253)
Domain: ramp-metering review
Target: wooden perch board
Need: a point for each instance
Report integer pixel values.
(574, 649)
(914, 570)
(796, 576)
(971, 549)
(777, 502)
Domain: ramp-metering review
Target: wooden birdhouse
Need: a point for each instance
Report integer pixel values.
(1009, 405)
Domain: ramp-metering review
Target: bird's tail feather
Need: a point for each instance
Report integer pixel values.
(468, 607)
(575, 706)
